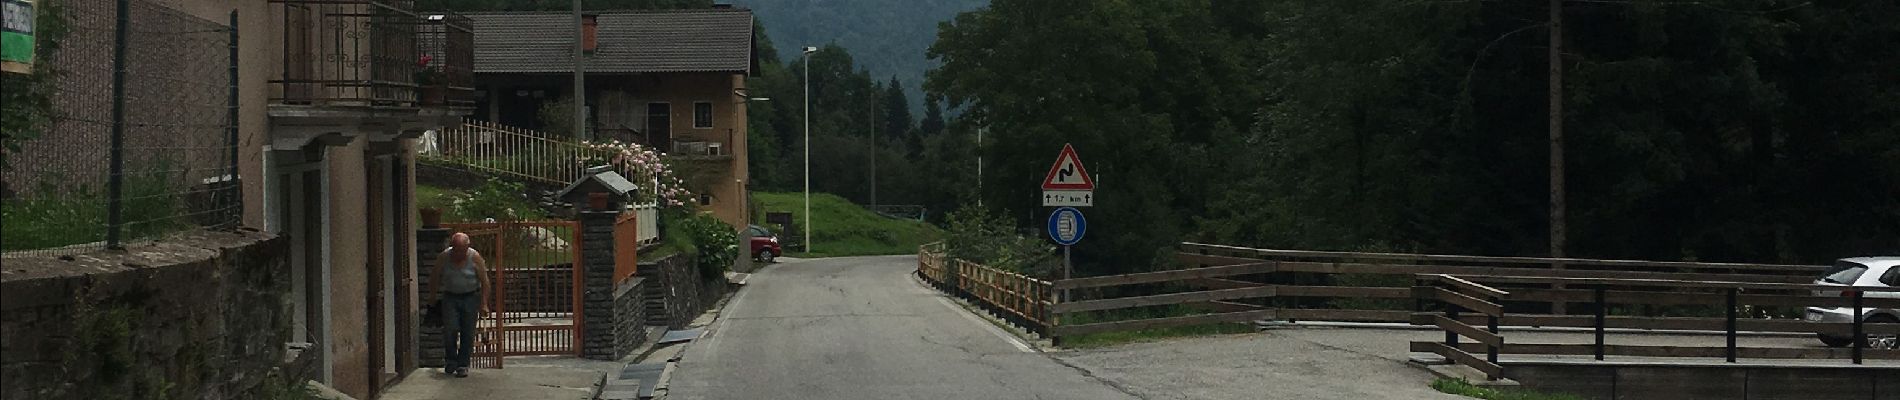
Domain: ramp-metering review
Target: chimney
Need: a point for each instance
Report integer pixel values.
(589, 33)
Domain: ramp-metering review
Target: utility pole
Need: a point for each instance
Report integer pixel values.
(580, 79)
(808, 217)
(874, 151)
(1556, 129)
(1557, 143)
(979, 166)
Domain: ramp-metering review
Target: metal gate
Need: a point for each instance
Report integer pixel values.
(534, 308)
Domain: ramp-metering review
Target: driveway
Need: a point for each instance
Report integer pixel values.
(862, 328)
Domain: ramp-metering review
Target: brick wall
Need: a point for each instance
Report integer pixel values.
(200, 316)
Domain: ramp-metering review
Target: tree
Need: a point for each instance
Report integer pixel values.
(895, 121)
(933, 118)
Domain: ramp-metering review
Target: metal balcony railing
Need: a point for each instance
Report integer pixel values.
(447, 67)
(373, 53)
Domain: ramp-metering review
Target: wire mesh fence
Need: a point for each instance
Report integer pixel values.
(136, 137)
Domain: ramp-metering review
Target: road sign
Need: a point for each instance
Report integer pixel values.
(1066, 226)
(1068, 183)
(1068, 198)
(1068, 173)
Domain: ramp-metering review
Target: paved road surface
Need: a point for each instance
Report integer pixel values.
(861, 328)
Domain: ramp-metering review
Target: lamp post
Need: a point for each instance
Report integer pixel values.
(808, 52)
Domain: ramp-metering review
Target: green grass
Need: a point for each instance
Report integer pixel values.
(1462, 388)
(41, 221)
(1104, 339)
(845, 229)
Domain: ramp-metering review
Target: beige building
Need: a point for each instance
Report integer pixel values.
(673, 80)
(334, 91)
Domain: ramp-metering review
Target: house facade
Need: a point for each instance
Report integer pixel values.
(673, 80)
(336, 91)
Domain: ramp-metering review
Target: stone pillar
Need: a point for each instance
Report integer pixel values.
(430, 241)
(597, 285)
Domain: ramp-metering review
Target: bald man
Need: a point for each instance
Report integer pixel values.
(461, 280)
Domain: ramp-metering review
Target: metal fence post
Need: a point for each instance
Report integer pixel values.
(1731, 323)
(115, 182)
(233, 207)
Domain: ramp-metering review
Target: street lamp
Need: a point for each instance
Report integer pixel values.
(808, 239)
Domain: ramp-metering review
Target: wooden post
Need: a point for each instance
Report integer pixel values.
(1731, 323)
(1602, 309)
(1860, 334)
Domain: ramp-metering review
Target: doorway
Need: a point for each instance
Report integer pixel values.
(660, 127)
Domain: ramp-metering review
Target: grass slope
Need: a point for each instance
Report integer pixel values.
(845, 229)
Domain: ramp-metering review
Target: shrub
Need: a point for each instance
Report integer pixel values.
(644, 167)
(498, 199)
(715, 245)
(979, 236)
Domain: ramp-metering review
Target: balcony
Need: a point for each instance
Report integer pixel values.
(377, 54)
(372, 68)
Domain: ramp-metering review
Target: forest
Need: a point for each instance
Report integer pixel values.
(1738, 130)
(1746, 130)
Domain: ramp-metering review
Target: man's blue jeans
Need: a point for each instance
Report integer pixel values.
(458, 322)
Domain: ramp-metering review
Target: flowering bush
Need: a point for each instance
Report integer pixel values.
(643, 166)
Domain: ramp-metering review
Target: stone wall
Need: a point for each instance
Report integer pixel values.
(610, 312)
(1835, 379)
(677, 292)
(629, 324)
(200, 315)
(430, 241)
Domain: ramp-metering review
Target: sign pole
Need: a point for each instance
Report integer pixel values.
(1068, 271)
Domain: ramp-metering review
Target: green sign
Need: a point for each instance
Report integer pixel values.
(16, 36)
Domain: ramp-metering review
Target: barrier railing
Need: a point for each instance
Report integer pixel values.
(514, 152)
(1016, 298)
(1460, 296)
(1236, 284)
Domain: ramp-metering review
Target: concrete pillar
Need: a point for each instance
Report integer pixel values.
(430, 241)
(598, 319)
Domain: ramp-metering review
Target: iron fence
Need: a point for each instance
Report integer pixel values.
(126, 129)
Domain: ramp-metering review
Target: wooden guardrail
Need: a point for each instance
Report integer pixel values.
(1017, 298)
(1460, 296)
(1240, 284)
(1228, 284)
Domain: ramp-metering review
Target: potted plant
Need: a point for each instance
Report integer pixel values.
(431, 83)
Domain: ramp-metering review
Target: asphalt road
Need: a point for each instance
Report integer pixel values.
(862, 328)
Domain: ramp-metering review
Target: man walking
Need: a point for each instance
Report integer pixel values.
(461, 281)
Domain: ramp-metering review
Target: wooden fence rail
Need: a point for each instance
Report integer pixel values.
(1017, 298)
(1466, 296)
(1459, 295)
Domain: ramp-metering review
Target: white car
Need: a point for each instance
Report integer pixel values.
(1863, 271)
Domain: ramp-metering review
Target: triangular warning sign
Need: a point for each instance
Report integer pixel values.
(1068, 173)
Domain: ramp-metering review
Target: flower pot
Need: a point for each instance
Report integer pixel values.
(597, 201)
(431, 217)
(432, 95)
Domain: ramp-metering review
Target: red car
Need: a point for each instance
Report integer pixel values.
(764, 244)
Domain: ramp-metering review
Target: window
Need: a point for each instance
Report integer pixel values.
(1892, 278)
(702, 115)
(1844, 272)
